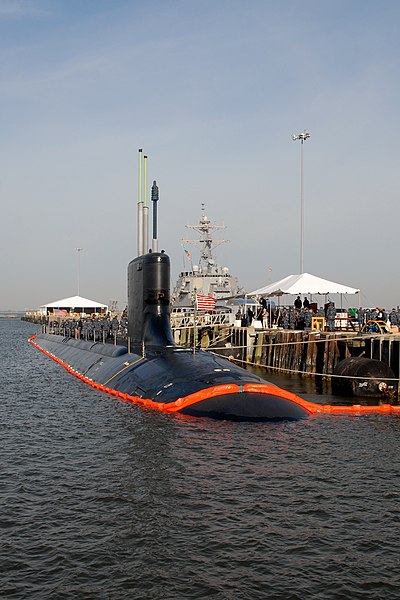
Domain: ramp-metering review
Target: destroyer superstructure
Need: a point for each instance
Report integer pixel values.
(207, 277)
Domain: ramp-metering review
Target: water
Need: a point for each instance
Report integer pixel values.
(101, 499)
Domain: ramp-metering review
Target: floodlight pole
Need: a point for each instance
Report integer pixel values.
(79, 250)
(302, 137)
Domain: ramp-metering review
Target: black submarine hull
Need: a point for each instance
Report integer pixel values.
(174, 379)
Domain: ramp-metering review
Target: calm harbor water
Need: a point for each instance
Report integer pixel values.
(101, 499)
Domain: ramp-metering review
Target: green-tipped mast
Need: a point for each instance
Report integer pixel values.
(140, 207)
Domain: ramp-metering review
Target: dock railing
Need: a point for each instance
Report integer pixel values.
(202, 320)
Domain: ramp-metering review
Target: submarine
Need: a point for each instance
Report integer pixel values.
(156, 373)
(152, 371)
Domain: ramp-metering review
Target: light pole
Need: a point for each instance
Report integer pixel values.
(79, 250)
(302, 137)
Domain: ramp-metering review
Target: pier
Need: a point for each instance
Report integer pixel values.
(312, 353)
(306, 353)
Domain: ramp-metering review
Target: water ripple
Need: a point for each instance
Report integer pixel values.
(100, 499)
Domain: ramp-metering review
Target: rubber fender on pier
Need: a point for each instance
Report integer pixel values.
(364, 377)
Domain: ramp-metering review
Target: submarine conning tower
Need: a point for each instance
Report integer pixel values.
(149, 300)
(148, 277)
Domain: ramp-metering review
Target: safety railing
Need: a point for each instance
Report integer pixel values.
(201, 320)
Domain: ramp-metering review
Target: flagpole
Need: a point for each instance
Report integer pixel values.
(194, 321)
(183, 259)
(79, 270)
(189, 256)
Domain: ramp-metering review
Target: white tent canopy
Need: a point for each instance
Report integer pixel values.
(303, 283)
(75, 302)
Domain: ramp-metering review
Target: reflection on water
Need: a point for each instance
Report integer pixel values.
(101, 499)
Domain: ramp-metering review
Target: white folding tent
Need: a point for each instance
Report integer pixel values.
(74, 304)
(303, 284)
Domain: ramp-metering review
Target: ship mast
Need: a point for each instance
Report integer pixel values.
(206, 242)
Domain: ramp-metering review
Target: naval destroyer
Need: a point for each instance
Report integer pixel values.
(207, 277)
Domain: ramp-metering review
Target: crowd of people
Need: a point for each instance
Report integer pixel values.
(295, 317)
(288, 317)
(299, 315)
(96, 328)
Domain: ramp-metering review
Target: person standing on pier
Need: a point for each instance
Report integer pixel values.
(330, 316)
(360, 318)
(393, 318)
(298, 303)
(307, 319)
(250, 316)
(292, 318)
(264, 317)
(285, 318)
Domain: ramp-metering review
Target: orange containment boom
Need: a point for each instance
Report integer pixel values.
(311, 408)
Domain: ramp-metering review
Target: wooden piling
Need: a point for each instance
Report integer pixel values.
(297, 351)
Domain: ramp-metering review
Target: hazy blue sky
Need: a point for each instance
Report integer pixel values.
(212, 91)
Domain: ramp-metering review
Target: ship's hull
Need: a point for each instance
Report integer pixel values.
(174, 379)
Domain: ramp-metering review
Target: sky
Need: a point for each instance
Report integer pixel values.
(212, 91)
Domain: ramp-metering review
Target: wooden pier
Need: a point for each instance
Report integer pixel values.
(287, 351)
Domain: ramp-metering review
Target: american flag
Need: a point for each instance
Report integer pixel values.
(206, 303)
